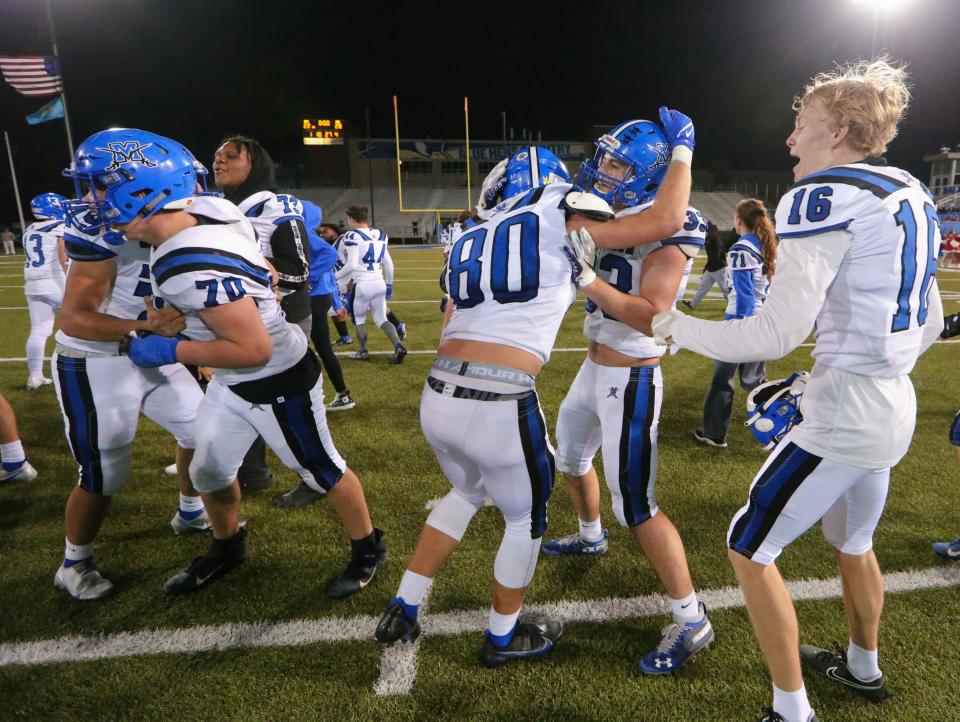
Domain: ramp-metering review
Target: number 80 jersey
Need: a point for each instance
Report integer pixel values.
(509, 278)
(871, 320)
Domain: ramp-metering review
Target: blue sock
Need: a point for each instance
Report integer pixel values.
(188, 515)
(500, 640)
(409, 610)
(12, 455)
(13, 465)
(73, 562)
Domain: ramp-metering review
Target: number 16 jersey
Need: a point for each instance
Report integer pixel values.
(509, 278)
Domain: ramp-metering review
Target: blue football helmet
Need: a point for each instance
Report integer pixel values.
(773, 408)
(48, 207)
(644, 148)
(122, 173)
(530, 167)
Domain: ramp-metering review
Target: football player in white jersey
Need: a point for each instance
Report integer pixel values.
(364, 258)
(510, 282)
(206, 261)
(857, 255)
(614, 402)
(102, 394)
(44, 274)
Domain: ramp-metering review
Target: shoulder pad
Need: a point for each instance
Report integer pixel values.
(85, 247)
(589, 205)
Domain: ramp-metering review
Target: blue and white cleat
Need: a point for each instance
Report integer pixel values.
(950, 550)
(24, 472)
(678, 643)
(402, 330)
(572, 545)
(530, 640)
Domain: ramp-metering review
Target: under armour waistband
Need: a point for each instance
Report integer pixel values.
(461, 392)
(488, 377)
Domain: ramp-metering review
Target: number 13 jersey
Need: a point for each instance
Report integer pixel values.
(509, 278)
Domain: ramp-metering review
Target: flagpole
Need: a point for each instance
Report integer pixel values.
(63, 86)
(16, 188)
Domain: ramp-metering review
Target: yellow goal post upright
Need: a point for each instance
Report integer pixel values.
(436, 211)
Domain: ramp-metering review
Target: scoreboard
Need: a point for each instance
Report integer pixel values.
(322, 131)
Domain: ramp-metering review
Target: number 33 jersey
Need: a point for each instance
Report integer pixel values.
(509, 278)
(219, 261)
(871, 320)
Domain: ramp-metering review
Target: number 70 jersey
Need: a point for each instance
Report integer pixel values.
(871, 320)
(508, 277)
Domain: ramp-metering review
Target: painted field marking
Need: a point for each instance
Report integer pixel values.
(301, 632)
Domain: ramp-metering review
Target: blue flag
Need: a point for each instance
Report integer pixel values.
(49, 111)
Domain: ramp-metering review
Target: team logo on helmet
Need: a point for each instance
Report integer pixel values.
(663, 156)
(130, 151)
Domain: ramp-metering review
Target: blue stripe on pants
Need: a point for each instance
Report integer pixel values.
(636, 450)
(541, 463)
(81, 414)
(295, 417)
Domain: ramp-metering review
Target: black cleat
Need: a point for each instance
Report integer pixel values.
(224, 556)
(395, 626)
(530, 639)
(254, 486)
(399, 353)
(298, 497)
(367, 555)
(833, 666)
(770, 716)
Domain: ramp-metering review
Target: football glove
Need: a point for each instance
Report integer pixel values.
(677, 127)
(581, 252)
(951, 326)
(663, 325)
(153, 350)
(773, 408)
(389, 291)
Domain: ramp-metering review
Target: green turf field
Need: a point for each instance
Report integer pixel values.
(591, 676)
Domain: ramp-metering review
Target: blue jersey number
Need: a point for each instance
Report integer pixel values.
(624, 283)
(233, 287)
(466, 273)
(907, 220)
(38, 259)
(290, 205)
(818, 205)
(371, 258)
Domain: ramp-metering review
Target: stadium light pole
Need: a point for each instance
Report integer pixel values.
(373, 214)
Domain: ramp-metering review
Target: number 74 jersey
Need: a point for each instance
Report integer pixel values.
(508, 277)
(871, 321)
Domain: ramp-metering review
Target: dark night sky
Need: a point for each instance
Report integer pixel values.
(197, 70)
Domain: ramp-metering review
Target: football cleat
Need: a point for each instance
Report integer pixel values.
(35, 382)
(343, 401)
(367, 555)
(770, 716)
(224, 556)
(343, 341)
(686, 303)
(833, 666)
(396, 626)
(363, 355)
(530, 640)
(82, 581)
(402, 330)
(677, 644)
(300, 496)
(199, 523)
(950, 550)
(572, 545)
(698, 435)
(24, 472)
(399, 353)
(255, 485)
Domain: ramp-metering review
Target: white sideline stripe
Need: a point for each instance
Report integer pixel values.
(398, 664)
(302, 632)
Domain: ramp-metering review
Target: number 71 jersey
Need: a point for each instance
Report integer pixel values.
(871, 321)
(509, 278)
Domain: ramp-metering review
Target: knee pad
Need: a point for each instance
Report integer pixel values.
(517, 556)
(109, 474)
(845, 541)
(453, 514)
(573, 465)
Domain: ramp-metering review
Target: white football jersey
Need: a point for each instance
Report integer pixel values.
(746, 255)
(130, 285)
(266, 210)
(42, 272)
(364, 255)
(508, 277)
(219, 261)
(871, 321)
(622, 269)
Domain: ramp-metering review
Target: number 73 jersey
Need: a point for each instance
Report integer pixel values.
(508, 277)
(871, 320)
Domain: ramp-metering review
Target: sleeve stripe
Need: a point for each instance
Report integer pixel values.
(82, 250)
(816, 231)
(167, 269)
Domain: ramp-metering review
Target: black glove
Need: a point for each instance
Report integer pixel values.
(951, 326)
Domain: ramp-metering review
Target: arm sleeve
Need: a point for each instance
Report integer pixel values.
(349, 259)
(955, 430)
(934, 325)
(388, 265)
(742, 281)
(805, 269)
(288, 243)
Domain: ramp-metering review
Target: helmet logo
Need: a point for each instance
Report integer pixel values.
(609, 141)
(522, 156)
(126, 152)
(662, 150)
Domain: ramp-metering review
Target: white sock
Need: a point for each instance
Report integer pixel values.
(74, 553)
(12, 453)
(686, 610)
(191, 503)
(591, 531)
(792, 706)
(412, 587)
(862, 663)
(501, 625)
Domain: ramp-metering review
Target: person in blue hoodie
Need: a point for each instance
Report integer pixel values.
(751, 262)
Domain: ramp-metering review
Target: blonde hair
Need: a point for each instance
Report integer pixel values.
(868, 96)
(753, 214)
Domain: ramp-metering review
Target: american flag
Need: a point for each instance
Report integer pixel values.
(32, 75)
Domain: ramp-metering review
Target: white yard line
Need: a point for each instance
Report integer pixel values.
(398, 664)
(301, 632)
